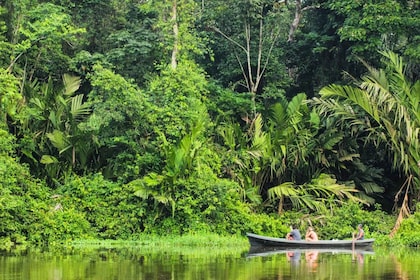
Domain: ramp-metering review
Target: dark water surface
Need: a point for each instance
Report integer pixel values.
(206, 263)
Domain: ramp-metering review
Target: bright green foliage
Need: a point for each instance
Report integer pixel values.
(180, 163)
(60, 226)
(169, 191)
(187, 196)
(383, 25)
(209, 204)
(409, 231)
(44, 36)
(122, 122)
(293, 127)
(49, 128)
(66, 134)
(113, 98)
(269, 225)
(241, 158)
(156, 134)
(9, 95)
(101, 208)
(23, 199)
(178, 96)
(205, 203)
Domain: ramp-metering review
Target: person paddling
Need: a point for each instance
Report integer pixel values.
(360, 235)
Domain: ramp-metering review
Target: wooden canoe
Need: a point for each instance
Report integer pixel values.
(266, 241)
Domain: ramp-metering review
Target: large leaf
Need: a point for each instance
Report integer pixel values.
(287, 189)
(47, 159)
(59, 140)
(78, 108)
(71, 84)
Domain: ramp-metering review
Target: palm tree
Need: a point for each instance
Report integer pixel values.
(277, 156)
(181, 160)
(317, 195)
(385, 105)
(71, 110)
(52, 117)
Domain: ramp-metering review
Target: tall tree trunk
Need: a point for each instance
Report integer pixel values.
(176, 35)
(298, 15)
(295, 23)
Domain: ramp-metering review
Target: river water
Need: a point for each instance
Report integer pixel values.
(133, 263)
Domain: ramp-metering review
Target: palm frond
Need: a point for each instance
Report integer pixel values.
(355, 95)
(285, 189)
(371, 188)
(78, 108)
(278, 114)
(326, 186)
(71, 84)
(309, 202)
(227, 132)
(294, 110)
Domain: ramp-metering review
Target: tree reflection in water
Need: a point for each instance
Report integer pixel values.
(190, 263)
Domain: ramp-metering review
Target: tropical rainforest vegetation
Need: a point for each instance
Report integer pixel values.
(122, 118)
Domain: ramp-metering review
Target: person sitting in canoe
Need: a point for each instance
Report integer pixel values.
(294, 234)
(360, 235)
(311, 235)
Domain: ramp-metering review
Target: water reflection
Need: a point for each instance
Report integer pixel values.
(359, 257)
(207, 263)
(311, 258)
(310, 254)
(307, 262)
(293, 257)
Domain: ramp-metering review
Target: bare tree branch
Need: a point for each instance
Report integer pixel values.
(228, 38)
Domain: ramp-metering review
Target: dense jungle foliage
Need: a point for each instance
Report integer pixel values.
(123, 118)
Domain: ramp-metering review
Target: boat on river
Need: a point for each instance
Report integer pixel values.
(256, 240)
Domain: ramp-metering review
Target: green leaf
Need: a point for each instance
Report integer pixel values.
(47, 159)
(71, 84)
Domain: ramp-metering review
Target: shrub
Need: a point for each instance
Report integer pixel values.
(23, 199)
(409, 231)
(111, 209)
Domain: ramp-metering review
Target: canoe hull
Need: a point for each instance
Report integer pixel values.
(265, 241)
